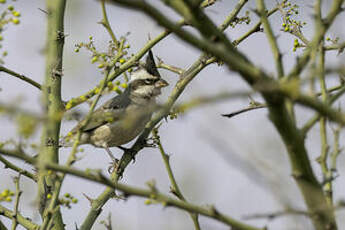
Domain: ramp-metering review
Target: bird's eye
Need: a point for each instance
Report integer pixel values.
(149, 81)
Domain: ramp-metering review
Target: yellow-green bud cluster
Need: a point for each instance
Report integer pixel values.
(296, 44)
(8, 16)
(67, 200)
(116, 53)
(240, 20)
(148, 202)
(75, 101)
(70, 104)
(6, 195)
(290, 10)
(332, 40)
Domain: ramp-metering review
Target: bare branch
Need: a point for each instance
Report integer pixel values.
(14, 167)
(20, 76)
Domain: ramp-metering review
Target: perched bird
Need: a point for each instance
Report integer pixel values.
(122, 118)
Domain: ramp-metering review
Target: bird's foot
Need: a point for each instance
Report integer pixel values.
(114, 164)
(150, 142)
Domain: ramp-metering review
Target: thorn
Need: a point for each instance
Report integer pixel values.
(88, 198)
(44, 11)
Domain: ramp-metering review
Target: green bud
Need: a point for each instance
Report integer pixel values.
(16, 13)
(15, 21)
(94, 59)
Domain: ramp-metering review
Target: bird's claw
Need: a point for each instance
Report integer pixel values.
(150, 142)
(114, 164)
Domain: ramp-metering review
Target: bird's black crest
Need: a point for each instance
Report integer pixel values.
(150, 65)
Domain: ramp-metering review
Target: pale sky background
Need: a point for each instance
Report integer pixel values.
(239, 164)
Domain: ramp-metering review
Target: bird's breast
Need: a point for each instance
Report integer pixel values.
(123, 130)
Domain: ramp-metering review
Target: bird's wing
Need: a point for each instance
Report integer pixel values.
(109, 112)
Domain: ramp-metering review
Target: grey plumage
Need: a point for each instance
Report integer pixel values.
(123, 117)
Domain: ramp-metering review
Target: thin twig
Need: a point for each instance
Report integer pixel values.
(249, 108)
(312, 121)
(106, 24)
(21, 76)
(14, 167)
(271, 38)
(336, 149)
(174, 189)
(288, 211)
(171, 68)
(16, 203)
(327, 174)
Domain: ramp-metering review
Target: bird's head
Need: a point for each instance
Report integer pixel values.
(146, 81)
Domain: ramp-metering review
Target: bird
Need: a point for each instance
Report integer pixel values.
(123, 117)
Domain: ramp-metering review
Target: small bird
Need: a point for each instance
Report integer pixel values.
(122, 118)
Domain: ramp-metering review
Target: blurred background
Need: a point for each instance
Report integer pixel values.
(238, 164)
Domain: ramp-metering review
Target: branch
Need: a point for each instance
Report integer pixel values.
(254, 29)
(171, 68)
(99, 202)
(130, 190)
(320, 31)
(309, 124)
(133, 61)
(16, 203)
(249, 108)
(336, 149)
(276, 214)
(185, 79)
(223, 51)
(20, 76)
(147, 193)
(96, 206)
(288, 211)
(271, 38)
(174, 189)
(323, 108)
(340, 47)
(2, 226)
(25, 222)
(106, 24)
(323, 158)
(72, 157)
(254, 106)
(21, 171)
(52, 102)
(279, 114)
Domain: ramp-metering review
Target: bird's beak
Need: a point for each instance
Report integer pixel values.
(162, 83)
